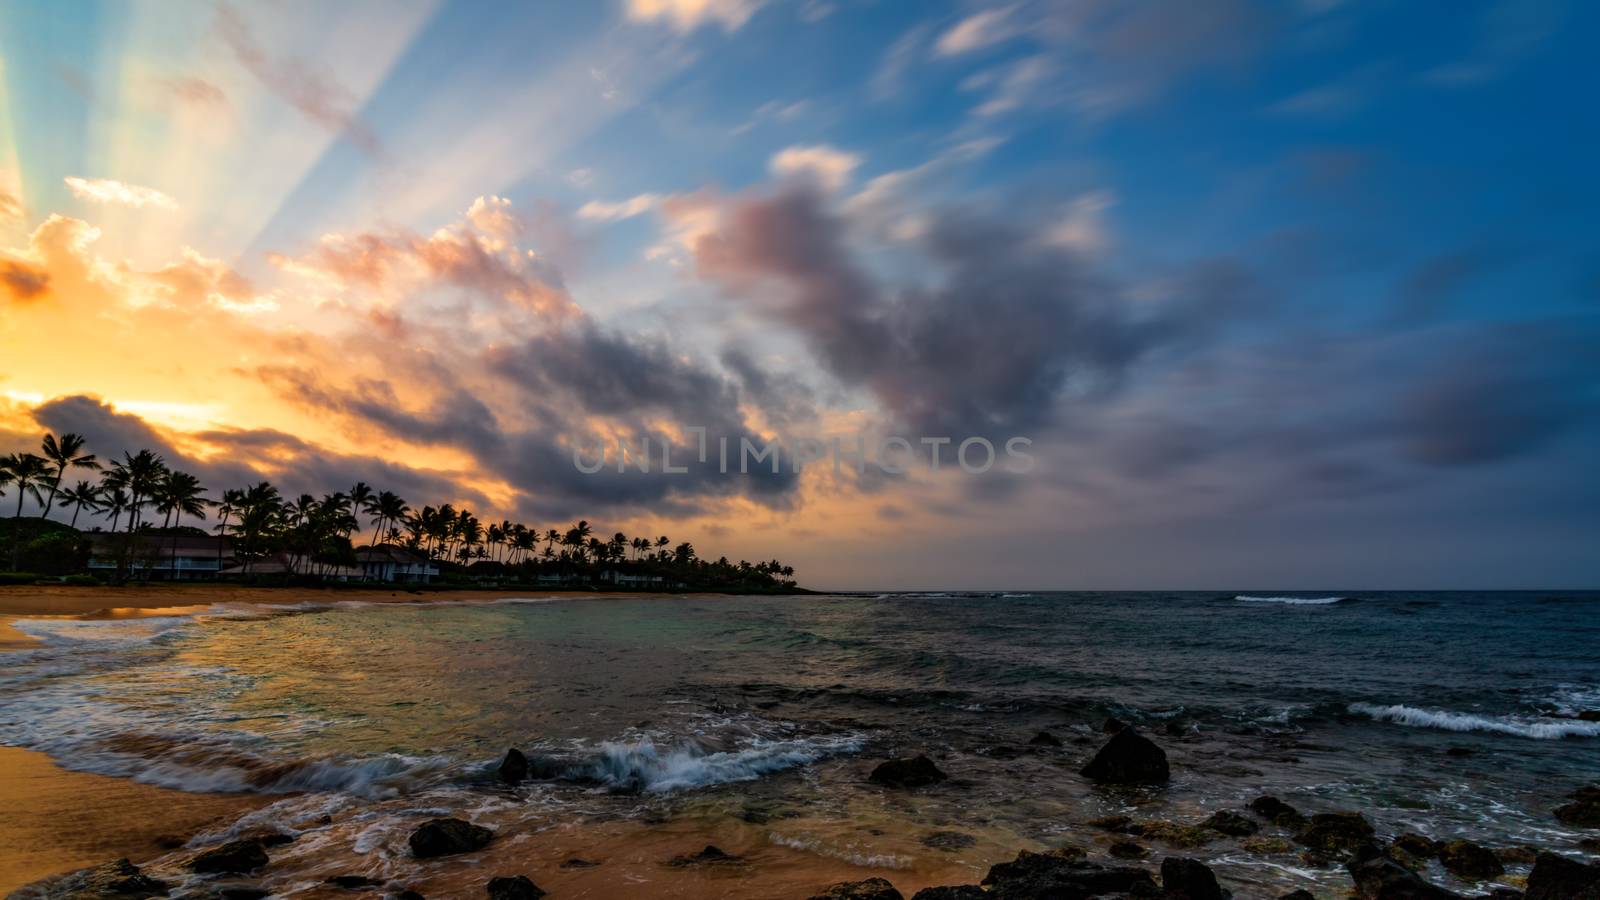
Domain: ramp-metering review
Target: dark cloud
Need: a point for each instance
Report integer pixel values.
(242, 457)
(999, 327)
(22, 280)
(299, 82)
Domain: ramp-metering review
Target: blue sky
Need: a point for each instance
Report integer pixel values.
(1284, 293)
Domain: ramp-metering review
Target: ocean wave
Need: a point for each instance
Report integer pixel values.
(1293, 601)
(101, 632)
(846, 854)
(640, 766)
(1519, 726)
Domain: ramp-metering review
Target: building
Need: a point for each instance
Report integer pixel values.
(386, 562)
(291, 564)
(176, 557)
(623, 579)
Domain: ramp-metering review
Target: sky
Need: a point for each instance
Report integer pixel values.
(1300, 294)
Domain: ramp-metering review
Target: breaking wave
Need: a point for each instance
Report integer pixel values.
(640, 766)
(1541, 729)
(1293, 601)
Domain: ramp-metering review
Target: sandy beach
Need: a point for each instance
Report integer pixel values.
(70, 600)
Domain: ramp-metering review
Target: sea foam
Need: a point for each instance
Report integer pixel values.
(641, 766)
(1541, 729)
(1293, 601)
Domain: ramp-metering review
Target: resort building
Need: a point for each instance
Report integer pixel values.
(386, 562)
(179, 558)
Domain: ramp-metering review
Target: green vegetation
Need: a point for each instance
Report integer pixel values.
(311, 539)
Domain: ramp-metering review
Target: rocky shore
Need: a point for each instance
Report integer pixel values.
(1152, 858)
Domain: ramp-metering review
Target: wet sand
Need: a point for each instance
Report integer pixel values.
(57, 820)
(71, 600)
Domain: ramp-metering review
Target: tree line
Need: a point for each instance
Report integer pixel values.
(318, 534)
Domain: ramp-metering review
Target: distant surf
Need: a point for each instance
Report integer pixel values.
(1539, 729)
(1293, 601)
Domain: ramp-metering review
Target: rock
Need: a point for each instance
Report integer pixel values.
(409, 895)
(514, 767)
(1301, 894)
(443, 837)
(871, 889)
(948, 840)
(1267, 845)
(514, 887)
(952, 892)
(578, 863)
(120, 879)
(1469, 861)
(911, 772)
(1413, 846)
(1584, 810)
(242, 892)
(1558, 878)
(353, 882)
(1228, 822)
(711, 855)
(1589, 715)
(1044, 739)
(1129, 758)
(1035, 875)
(1112, 725)
(1331, 832)
(1121, 824)
(233, 858)
(1277, 812)
(1516, 856)
(1127, 850)
(1458, 750)
(1189, 879)
(1378, 877)
(1177, 835)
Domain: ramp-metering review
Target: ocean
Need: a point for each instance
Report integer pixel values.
(665, 723)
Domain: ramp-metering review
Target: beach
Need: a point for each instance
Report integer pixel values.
(336, 724)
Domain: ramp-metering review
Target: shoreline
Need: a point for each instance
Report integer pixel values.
(60, 820)
(131, 600)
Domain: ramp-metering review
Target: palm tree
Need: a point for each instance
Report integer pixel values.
(27, 471)
(551, 538)
(115, 504)
(81, 497)
(179, 494)
(232, 501)
(64, 452)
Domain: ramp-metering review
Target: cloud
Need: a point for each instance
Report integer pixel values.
(197, 92)
(687, 15)
(1082, 228)
(300, 83)
(829, 167)
(477, 255)
(890, 77)
(987, 341)
(23, 280)
(117, 193)
(600, 211)
(10, 205)
(977, 31)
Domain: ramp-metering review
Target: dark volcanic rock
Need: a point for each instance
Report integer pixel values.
(1277, 812)
(1517, 856)
(409, 895)
(1129, 758)
(242, 892)
(1411, 846)
(1189, 879)
(952, 892)
(1228, 822)
(915, 771)
(514, 767)
(1112, 725)
(353, 882)
(1330, 832)
(1044, 739)
(1379, 877)
(1127, 850)
(1035, 875)
(1299, 895)
(710, 855)
(1469, 861)
(234, 858)
(578, 862)
(948, 840)
(443, 837)
(871, 889)
(514, 887)
(120, 879)
(1558, 878)
(1584, 810)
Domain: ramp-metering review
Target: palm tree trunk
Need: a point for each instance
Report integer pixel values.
(75, 511)
(54, 485)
